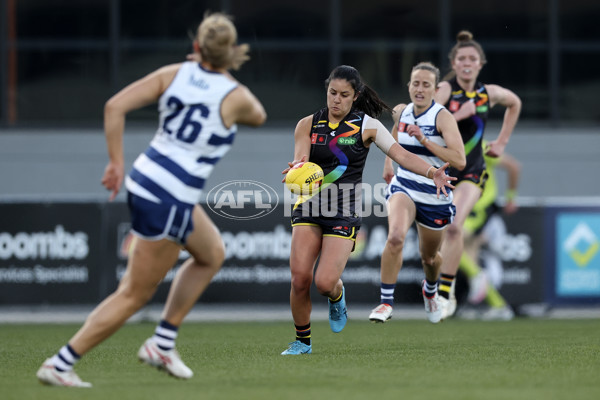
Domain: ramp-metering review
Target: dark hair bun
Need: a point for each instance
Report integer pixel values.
(464, 36)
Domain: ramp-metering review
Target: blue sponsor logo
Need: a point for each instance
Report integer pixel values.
(578, 255)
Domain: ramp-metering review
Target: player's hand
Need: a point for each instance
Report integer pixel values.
(441, 180)
(113, 178)
(291, 165)
(415, 131)
(466, 110)
(388, 173)
(494, 149)
(510, 207)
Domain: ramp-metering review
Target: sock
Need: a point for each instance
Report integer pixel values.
(430, 288)
(65, 359)
(445, 284)
(165, 335)
(303, 333)
(387, 293)
(338, 298)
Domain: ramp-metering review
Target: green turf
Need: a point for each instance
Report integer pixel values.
(523, 359)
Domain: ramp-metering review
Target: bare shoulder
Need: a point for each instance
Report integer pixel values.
(166, 74)
(399, 107)
(442, 93)
(168, 70)
(445, 117)
(240, 97)
(304, 124)
(241, 92)
(501, 95)
(397, 111)
(445, 85)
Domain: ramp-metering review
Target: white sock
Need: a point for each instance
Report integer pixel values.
(165, 335)
(65, 359)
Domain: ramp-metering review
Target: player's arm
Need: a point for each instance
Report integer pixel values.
(243, 107)
(454, 151)
(136, 95)
(513, 169)
(512, 102)
(388, 165)
(301, 142)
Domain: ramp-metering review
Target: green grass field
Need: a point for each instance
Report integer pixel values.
(402, 359)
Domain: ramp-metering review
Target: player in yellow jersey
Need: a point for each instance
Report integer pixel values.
(484, 226)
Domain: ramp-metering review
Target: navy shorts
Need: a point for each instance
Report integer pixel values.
(432, 216)
(155, 221)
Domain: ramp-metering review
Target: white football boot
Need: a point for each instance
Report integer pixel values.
(48, 375)
(381, 313)
(169, 360)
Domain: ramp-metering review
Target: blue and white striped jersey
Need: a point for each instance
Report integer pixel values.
(419, 188)
(191, 138)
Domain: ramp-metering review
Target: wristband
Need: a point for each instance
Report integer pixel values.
(423, 140)
(510, 194)
(427, 173)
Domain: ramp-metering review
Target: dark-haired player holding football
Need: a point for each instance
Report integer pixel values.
(470, 100)
(428, 130)
(324, 225)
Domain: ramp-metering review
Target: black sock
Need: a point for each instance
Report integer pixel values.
(445, 285)
(303, 333)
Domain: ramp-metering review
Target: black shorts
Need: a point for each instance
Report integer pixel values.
(478, 176)
(341, 231)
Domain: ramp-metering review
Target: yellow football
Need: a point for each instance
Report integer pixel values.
(304, 178)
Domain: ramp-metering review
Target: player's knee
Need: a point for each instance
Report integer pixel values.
(136, 295)
(428, 261)
(217, 255)
(211, 257)
(301, 282)
(454, 232)
(326, 285)
(395, 241)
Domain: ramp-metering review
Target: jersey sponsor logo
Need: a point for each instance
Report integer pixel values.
(402, 127)
(454, 106)
(318, 138)
(346, 141)
(428, 130)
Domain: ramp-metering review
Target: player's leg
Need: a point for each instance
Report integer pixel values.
(148, 264)
(306, 245)
(429, 244)
(207, 252)
(401, 214)
(332, 261)
(465, 196)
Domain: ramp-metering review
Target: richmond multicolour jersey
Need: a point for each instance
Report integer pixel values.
(471, 129)
(191, 138)
(421, 189)
(339, 150)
